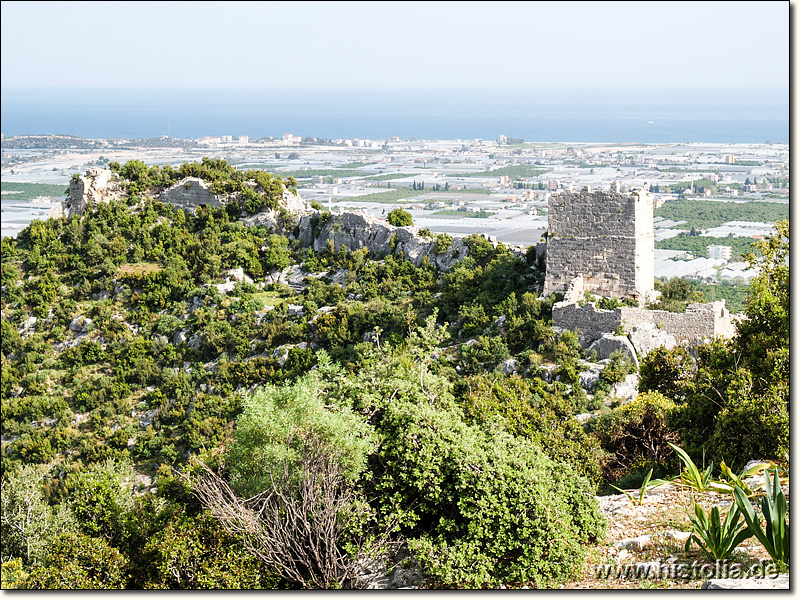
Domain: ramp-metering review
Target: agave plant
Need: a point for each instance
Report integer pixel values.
(738, 481)
(693, 478)
(716, 537)
(646, 485)
(775, 536)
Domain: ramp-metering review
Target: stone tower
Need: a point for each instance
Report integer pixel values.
(605, 237)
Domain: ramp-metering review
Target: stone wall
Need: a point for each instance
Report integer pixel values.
(607, 238)
(189, 193)
(98, 185)
(699, 321)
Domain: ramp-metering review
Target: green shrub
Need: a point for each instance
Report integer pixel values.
(527, 409)
(442, 244)
(636, 432)
(753, 427)
(274, 426)
(481, 508)
(80, 562)
(666, 371)
(618, 369)
(399, 218)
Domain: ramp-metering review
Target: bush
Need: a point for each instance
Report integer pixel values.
(666, 371)
(80, 562)
(481, 508)
(636, 432)
(753, 427)
(399, 218)
(525, 408)
(618, 368)
(442, 244)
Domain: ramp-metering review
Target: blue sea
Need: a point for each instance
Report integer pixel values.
(536, 116)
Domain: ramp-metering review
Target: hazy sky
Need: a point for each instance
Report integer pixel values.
(407, 45)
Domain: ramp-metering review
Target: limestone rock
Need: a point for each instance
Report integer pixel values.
(636, 543)
(80, 324)
(189, 193)
(356, 230)
(610, 343)
(27, 325)
(779, 582)
(509, 366)
(589, 377)
(627, 389)
(646, 337)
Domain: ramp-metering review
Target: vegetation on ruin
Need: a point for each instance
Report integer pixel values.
(147, 393)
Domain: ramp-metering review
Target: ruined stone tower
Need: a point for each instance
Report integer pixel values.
(605, 237)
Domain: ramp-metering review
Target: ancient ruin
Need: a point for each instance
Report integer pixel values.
(605, 237)
(602, 243)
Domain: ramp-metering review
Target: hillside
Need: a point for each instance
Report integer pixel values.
(160, 366)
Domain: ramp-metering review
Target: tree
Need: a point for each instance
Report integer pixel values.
(399, 218)
(27, 523)
(763, 337)
(290, 497)
(736, 404)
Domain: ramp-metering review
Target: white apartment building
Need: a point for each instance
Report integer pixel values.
(723, 252)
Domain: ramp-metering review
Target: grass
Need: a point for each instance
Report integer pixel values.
(268, 298)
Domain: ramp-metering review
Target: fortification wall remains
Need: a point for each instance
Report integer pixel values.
(700, 321)
(607, 238)
(189, 193)
(98, 185)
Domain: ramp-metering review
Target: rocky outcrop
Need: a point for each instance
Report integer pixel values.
(98, 185)
(646, 337)
(356, 230)
(294, 218)
(610, 343)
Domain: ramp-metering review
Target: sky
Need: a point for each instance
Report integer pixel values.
(700, 46)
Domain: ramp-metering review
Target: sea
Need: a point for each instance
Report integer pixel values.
(581, 115)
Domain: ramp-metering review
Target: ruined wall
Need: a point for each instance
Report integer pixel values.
(607, 238)
(699, 321)
(98, 185)
(189, 193)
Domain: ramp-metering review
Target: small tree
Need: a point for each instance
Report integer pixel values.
(291, 498)
(399, 218)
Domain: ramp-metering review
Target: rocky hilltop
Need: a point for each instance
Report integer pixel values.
(294, 218)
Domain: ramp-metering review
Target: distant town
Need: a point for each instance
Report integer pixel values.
(499, 187)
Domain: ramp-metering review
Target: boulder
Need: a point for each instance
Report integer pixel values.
(636, 543)
(627, 389)
(98, 185)
(357, 230)
(80, 324)
(647, 337)
(610, 343)
(509, 366)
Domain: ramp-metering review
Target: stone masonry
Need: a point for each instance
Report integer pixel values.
(699, 321)
(607, 238)
(189, 193)
(98, 185)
